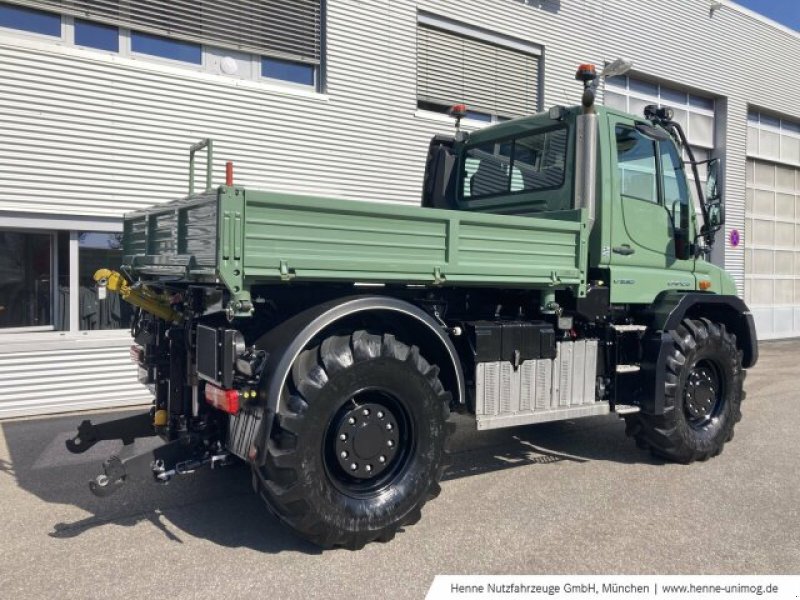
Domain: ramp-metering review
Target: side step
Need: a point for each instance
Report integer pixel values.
(556, 414)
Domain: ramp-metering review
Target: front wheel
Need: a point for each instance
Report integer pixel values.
(702, 395)
(359, 442)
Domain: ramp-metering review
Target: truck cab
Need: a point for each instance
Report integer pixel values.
(649, 233)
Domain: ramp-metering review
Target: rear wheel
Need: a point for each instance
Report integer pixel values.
(359, 442)
(702, 395)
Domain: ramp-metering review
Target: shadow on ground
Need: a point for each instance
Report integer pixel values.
(220, 505)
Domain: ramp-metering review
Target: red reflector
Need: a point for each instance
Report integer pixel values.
(137, 354)
(227, 400)
(229, 173)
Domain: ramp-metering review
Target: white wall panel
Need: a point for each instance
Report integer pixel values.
(66, 377)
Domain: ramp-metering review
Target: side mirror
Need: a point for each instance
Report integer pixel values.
(716, 214)
(712, 182)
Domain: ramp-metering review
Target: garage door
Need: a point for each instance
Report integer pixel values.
(772, 225)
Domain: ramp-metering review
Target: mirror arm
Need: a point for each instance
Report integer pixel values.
(701, 195)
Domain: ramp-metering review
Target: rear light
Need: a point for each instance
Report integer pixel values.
(225, 400)
(137, 354)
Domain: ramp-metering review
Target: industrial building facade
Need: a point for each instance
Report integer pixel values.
(100, 101)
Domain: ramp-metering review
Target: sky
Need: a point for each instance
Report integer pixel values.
(786, 12)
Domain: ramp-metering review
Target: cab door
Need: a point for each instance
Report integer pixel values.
(650, 198)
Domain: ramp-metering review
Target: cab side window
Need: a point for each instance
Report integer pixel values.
(637, 176)
(676, 190)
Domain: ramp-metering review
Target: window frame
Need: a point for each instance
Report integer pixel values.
(25, 223)
(460, 199)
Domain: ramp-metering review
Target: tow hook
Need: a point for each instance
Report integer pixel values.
(110, 480)
(178, 457)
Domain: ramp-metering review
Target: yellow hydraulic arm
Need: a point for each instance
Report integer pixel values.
(141, 297)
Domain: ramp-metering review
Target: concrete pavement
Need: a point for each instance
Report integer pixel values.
(570, 497)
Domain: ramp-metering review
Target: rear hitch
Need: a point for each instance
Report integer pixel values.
(126, 429)
(178, 457)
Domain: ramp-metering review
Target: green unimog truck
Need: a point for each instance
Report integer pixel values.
(557, 268)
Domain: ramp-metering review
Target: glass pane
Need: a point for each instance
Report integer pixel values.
(26, 286)
(616, 101)
(96, 251)
(643, 87)
(486, 171)
(672, 97)
(164, 47)
(770, 121)
(636, 165)
(752, 117)
(620, 81)
(770, 144)
(791, 126)
(287, 71)
(26, 19)
(676, 190)
(539, 161)
(701, 102)
(96, 35)
(478, 116)
(701, 129)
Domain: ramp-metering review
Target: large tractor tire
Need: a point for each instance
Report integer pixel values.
(702, 395)
(358, 446)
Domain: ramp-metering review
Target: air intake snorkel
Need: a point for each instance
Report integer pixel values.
(586, 136)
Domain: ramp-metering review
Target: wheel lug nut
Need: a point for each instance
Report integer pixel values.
(352, 420)
(390, 443)
(344, 454)
(365, 412)
(380, 414)
(343, 436)
(353, 466)
(389, 427)
(382, 458)
(368, 468)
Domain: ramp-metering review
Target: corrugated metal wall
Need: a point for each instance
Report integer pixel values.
(88, 134)
(68, 376)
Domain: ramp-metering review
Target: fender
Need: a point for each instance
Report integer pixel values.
(286, 341)
(671, 307)
(668, 310)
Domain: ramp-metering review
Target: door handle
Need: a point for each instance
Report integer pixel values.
(625, 250)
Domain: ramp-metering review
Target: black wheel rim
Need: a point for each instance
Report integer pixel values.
(368, 443)
(703, 395)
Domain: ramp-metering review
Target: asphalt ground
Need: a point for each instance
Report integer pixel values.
(560, 498)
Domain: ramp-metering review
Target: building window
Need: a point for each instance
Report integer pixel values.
(30, 20)
(694, 113)
(496, 77)
(773, 138)
(98, 250)
(287, 70)
(164, 47)
(222, 36)
(31, 279)
(96, 35)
